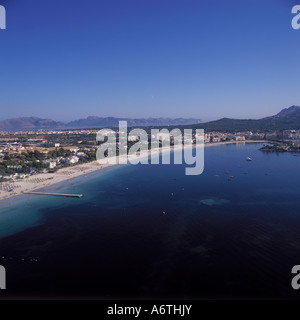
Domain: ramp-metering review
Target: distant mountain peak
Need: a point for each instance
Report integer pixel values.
(287, 112)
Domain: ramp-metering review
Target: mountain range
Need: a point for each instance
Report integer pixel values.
(34, 123)
(288, 118)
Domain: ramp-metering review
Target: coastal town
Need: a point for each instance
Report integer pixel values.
(32, 160)
(24, 154)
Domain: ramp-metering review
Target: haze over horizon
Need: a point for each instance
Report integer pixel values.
(205, 119)
(289, 111)
(140, 59)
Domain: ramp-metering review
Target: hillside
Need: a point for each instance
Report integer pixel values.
(98, 122)
(28, 123)
(286, 119)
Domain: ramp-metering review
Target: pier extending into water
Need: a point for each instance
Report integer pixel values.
(56, 194)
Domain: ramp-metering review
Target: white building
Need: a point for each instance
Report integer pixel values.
(72, 160)
(74, 150)
(51, 164)
(53, 144)
(216, 139)
(80, 155)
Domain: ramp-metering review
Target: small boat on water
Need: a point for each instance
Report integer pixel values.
(248, 159)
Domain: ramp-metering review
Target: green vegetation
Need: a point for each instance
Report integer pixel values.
(59, 153)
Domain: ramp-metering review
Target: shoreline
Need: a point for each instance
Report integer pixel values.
(44, 180)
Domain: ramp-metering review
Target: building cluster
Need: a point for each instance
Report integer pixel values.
(20, 158)
(16, 148)
(53, 163)
(50, 132)
(291, 134)
(215, 137)
(14, 145)
(285, 135)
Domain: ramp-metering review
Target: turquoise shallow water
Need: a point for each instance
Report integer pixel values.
(151, 231)
(22, 212)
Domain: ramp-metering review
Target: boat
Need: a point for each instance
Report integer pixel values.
(248, 159)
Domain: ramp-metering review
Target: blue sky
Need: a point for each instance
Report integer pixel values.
(148, 58)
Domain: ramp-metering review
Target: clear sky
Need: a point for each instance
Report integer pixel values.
(68, 59)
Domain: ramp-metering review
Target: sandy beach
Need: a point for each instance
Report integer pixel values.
(38, 181)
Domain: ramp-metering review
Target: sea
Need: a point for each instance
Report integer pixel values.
(150, 231)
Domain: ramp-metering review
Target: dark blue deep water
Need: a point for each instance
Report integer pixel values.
(152, 232)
